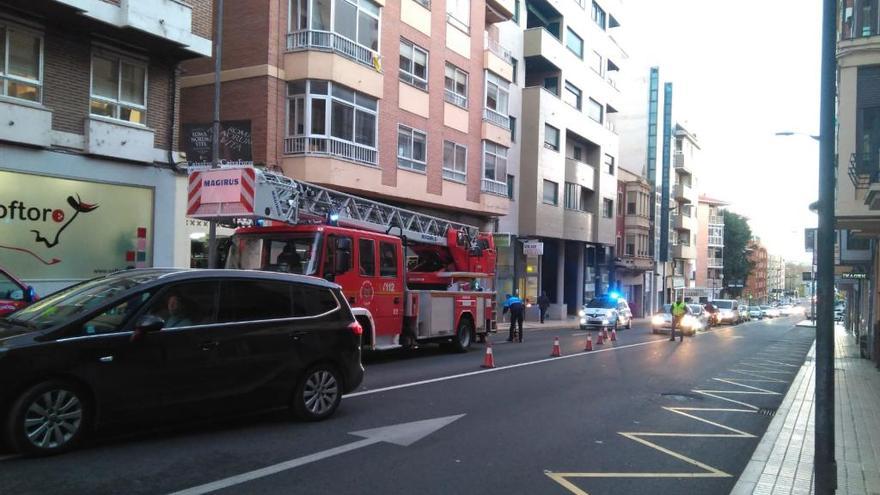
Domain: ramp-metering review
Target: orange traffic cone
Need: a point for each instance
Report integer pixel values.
(600, 338)
(556, 350)
(589, 345)
(607, 337)
(489, 360)
(613, 335)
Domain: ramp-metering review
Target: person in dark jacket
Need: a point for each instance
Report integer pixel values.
(517, 308)
(543, 304)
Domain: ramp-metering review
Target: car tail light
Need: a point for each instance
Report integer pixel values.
(356, 328)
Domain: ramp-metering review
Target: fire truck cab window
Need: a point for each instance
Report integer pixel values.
(388, 260)
(337, 258)
(367, 257)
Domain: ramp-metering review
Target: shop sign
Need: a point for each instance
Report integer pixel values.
(235, 141)
(61, 229)
(857, 276)
(677, 282)
(533, 248)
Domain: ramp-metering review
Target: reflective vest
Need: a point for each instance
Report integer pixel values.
(678, 309)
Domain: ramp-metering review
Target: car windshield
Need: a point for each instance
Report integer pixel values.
(724, 304)
(696, 308)
(77, 300)
(602, 302)
(288, 253)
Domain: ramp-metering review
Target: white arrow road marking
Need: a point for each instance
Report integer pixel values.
(404, 434)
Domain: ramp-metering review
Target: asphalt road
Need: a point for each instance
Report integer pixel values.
(641, 415)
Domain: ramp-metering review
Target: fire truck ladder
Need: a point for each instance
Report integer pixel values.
(295, 201)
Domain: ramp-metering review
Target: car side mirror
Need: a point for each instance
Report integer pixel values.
(30, 295)
(147, 324)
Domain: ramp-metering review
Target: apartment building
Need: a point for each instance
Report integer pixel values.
(709, 278)
(683, 218)
(88, 164)
(407, 102)
(569, 148)
(633, 261)
(775, 277)
(756, 283)
(857, 202)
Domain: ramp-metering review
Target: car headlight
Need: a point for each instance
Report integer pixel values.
(582, 313)
(604, 322)
(583, 321)
(609, 314)
(689, 321)
(657, 320)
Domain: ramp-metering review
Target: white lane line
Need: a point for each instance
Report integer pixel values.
(500, 368)
(9, 457)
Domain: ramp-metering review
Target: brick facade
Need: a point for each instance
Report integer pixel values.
(66, 79)
(202, 17)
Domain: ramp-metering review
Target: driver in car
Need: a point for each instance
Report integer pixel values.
(176, 312)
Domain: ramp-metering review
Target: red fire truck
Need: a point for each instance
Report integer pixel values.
(410, 278)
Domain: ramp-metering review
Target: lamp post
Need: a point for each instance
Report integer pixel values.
(215, 138)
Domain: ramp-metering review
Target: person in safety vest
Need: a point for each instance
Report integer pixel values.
(517, 308)
(679, 309)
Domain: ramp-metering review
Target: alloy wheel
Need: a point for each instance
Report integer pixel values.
(53, 418)
(320, 392)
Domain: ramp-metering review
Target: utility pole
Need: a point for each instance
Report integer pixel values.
(215, 135)
(824, 463)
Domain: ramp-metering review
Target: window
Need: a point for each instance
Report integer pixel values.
(619, 246)
(511, 186)
(497, 93)
(186, 304)
(857, 243)
(607, 208)
(574, 43)
(387, 260)
(551, 137)
(598, 16)
(595, 110)
(9, 289)
(458, 13)
(313, 107)
(572, 95)
(119, 88)
(367, 257)
(411, 148)
(609, 164)
(355, 20)
(254, 300)
(515, 16)
(619, 203)
(551, 84)
(454, 161)
(551, 193)
(596, 63)
(312, 301)
(577, 153)
(572, 196)
(114, 319)
(21, 63)
(456, 86)
(494, 162)
(515, 63)
(631, 203)
(512, 129)
(413, 64)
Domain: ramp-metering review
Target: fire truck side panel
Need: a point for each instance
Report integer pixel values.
(439, 312)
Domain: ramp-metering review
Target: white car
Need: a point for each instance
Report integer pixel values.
(606, 312)
(728, 311)
(661, 322)
(755, 312)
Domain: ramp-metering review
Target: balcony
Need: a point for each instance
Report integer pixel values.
(637, 221)
(496, 127)
(497, 59)
(331, 42)
(495, 118)
(717, 220)
(499, 10)
(862, 20)
(683, 193)
(683, 222)
(578, 172)
(681, 251)
(577, 225)
(330, 146)
(715, 263)
(545, 48)
(494, 187)
(681, 163)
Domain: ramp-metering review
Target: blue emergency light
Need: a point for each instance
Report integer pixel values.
(333, 218)
(614, 296)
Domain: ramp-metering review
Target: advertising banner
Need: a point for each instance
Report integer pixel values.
(61, 229)
(235, 141)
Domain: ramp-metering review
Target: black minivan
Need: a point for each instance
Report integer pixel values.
(157, 343)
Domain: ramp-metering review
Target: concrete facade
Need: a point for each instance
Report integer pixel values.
(710, 247)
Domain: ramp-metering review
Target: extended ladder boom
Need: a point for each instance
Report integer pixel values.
(236, 195)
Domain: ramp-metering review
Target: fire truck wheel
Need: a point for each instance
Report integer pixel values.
(317, 394)
(464, 335)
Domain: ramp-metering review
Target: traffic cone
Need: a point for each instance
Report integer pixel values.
(600, 338)
(606, 333)
(489, 360)
(613, 335)
(589, 345)
(556, 350)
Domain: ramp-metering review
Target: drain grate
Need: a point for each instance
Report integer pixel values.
(767, 411)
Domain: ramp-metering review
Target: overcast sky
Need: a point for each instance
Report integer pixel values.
(741, 72)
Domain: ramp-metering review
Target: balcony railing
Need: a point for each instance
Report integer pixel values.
(496, 48)
(496, 118)
(330, 146)
(864, 169)
(716, 220)
(454, 175)
(715, 263)
(494, 187)
(455, 99)
(862, 20)
(330, 41)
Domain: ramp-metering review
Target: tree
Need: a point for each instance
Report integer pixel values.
(737, 265)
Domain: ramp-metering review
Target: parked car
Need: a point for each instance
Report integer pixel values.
(728, 311)
(606, 312)
(171, 343)
(14, 294)
(661, 322)
(755, 312)
(701, 316)
(770, 312)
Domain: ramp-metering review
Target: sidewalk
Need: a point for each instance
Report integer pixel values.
(783, 460)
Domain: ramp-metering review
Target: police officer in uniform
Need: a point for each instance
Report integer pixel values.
(517, 308)
(679, 309)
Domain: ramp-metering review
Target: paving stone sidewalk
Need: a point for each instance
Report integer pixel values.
(783, 461)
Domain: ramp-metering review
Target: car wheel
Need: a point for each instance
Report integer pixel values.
(464, 335)
(629, 323)
(317, 394)
(49, 418)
